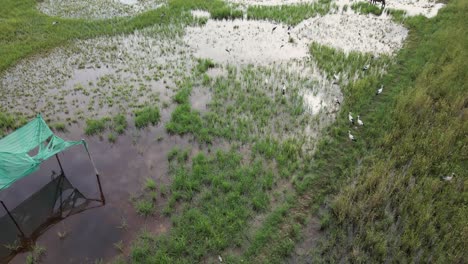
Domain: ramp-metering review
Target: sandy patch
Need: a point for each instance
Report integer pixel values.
(97, 9)
(353, 32)
(243, 42)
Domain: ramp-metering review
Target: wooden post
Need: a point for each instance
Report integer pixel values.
(13, 219)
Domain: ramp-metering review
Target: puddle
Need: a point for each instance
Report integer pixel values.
(200, 98)
(271, 2)
(123, 166)
(200, 14)
(97, 77)
(97, 9)
(353, 32)
(243, 42)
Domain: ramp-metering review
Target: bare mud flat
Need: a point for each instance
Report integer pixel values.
(353, 32)
(243, 42)
(97, 9)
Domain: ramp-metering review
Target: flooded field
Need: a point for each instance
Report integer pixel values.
(248, 82)
(97, 9)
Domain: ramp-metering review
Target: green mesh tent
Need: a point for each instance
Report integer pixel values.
(23, 151)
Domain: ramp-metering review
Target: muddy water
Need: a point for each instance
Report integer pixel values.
(271, 2)
(244, 42)
(97, 9)
(123, 166)
(98, 77)
(354, 32)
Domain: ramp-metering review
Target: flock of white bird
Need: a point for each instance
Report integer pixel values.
(359, 121)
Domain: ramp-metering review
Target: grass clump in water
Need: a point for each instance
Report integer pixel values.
(204, 64)
(218, 195)
(96, 126)
(146, 116)
(144, 207)
(226, 13)
(120, 123)
(366, 8)
(59, 127)
(289, 14)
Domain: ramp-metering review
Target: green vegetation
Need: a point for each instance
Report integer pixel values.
(289, 14)
(386, 199)
(398, 206)
(380, 199)
(96, 126)
(144, 207)
(59, 126)
(204, 64)
(120, 123)
(24, 30)
(218, 195)
(226, 13)
(150, 184)
(36, 254)
(10, 122)
(146, 116)
(366, 8)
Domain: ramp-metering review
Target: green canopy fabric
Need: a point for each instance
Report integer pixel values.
(15, 158)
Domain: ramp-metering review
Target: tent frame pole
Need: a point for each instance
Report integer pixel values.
(60, 164)
(13, 219)
(103, 199)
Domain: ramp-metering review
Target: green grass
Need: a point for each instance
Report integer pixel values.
(59, 126)
(398, 205)
(146, 116)
(150, 184)
(120, 123)
(218, 195)
(385, 198)
(96, 126)
(25, 31)
(366, 8)
(289, 14)
(144, 207)
(204, 64)
(9, 122)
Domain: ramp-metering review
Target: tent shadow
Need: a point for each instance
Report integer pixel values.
(22, 226)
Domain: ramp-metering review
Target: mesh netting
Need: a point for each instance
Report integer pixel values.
(15, 158)
(55, 201)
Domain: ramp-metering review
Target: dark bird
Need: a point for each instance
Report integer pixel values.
(281, 46)
(337, 101)
(228, 51)
(273, 29)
